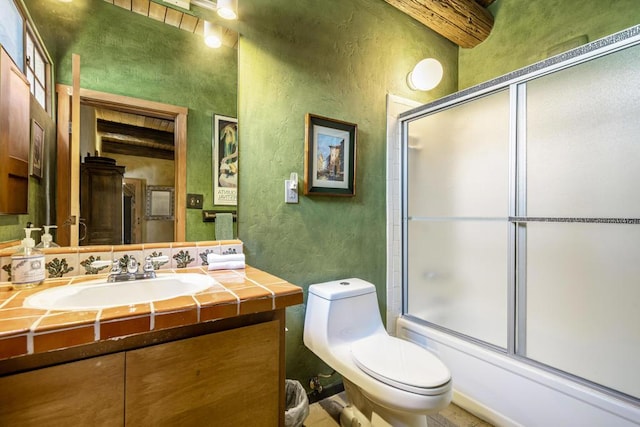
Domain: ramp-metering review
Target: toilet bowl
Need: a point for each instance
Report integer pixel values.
(388, 380)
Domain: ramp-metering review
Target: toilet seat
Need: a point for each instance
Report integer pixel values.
(401, 364)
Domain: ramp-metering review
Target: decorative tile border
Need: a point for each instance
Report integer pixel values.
(77, 261)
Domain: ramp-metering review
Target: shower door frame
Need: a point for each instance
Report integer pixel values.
(516, 84)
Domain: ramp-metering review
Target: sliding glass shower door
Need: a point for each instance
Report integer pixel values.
(582, 138)
(458, 205)
(521, 218)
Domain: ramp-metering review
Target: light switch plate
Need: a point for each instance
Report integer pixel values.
(194, 201)
(290, 196)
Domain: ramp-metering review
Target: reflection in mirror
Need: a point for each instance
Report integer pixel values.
(159, 203)
(144, 146)
(148, 138)
(118, 56)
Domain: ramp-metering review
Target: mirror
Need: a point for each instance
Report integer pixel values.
(103, 201)
(144, 146)
(136, 56)
(159, 203)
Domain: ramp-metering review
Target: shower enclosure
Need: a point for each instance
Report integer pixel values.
(521, 216)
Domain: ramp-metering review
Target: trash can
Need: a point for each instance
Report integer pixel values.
(296, 404)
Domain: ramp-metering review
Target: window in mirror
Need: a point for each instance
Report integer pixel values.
(11, 32)
(36, 69)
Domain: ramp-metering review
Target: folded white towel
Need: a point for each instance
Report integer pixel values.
(212, 258)
(228, 265)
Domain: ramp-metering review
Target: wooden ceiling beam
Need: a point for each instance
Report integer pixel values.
(464, 22)
(485, 3)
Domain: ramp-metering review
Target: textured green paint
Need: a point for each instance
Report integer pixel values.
(336, 58)
(524, 31)
(125, 53)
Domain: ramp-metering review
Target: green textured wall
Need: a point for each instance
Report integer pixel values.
(338, 59)
(524, 31)
(129, 54)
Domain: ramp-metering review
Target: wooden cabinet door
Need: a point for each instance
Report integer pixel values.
(85, 393)
(228, 378)
(14, 138)
(101, 203)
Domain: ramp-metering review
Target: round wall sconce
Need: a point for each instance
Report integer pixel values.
(426, 75)
(227, 9)
(212, 35)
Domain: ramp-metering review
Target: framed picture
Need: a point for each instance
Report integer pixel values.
(225, 160)
(37, 150)
(329, 157)
(160, 203)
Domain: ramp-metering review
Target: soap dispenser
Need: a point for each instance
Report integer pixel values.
(47, 239)
(27, 265)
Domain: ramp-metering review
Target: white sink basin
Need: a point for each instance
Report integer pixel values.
(97, 294)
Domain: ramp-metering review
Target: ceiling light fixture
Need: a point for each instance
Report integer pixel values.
(212, 35)
(228, 9)
(426, 75)
(207, 4)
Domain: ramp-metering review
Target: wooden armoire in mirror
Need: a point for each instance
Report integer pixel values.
(100, 201)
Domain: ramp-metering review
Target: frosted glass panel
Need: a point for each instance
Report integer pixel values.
(458, 276)
(582, 301)
(458, 160)
(583, 149)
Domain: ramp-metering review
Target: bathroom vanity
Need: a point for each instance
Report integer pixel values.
(214, 358)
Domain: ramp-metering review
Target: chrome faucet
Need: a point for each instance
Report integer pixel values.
(132, 266)
(117, 275)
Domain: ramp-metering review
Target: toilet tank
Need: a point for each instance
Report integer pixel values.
(341, 311)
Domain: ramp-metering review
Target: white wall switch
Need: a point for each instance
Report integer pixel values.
(290, 191)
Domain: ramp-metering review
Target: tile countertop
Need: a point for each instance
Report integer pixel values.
(28, 331)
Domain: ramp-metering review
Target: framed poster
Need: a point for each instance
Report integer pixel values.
(225, 160)
(37, 149)
(330, 157)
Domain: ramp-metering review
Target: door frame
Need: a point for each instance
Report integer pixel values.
(66, 218)
(135, 188)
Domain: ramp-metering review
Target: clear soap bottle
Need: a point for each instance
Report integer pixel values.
(27, 265)
(46, 241)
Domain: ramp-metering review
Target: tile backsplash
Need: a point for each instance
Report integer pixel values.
(77, 261)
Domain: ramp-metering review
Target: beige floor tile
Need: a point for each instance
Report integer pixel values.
(318, 417)
(452, 416)
(455, 416)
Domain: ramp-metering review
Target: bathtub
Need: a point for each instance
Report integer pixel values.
(508, 392)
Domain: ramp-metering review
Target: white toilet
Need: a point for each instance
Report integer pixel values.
(389, 381)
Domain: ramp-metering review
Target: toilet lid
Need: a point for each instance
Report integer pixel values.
(400, 363)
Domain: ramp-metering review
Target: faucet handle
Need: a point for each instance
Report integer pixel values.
(148, 265)
(155, 262)
(132, 267)
(115, 266)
